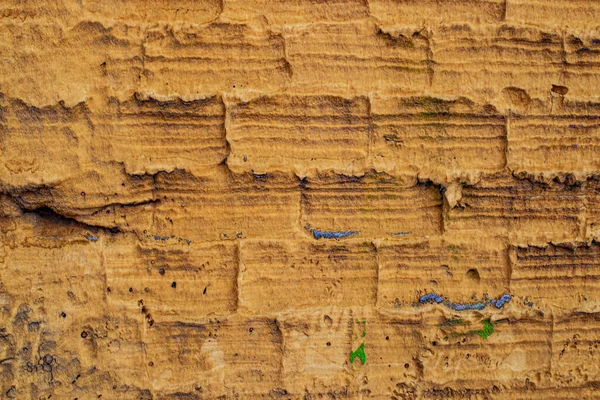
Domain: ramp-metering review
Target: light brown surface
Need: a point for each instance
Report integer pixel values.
(166, 168)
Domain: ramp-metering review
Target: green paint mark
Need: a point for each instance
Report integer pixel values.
(360, 353)
(487, 331)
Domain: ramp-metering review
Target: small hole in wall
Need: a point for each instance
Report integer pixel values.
(473, 274)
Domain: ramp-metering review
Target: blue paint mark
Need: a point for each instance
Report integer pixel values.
(330, 235)
(527, 302)
(464, 307)
(165, 238)
(91, 238)
(401, 233)
(498, 303)
(430, 297)
(435, 298)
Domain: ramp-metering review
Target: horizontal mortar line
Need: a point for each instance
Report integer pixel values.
(188, 118)
(219, 70)
(299, 125)
(254, 42)
(436, 119)
(408, 59)
(534, 261)
(548, 199)
(234, 58)
(557, 147)
(535, 120)
(363, 213)
(359, 117)
(448, 142)
(319, 192)
(479, 66)
(550, 215)
(557, 280)
(420, 68)
(524, 194)
(164, 137)
(491, 39)
(574, 264)
(315, 189)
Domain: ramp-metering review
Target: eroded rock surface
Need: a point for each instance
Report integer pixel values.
(246, 199)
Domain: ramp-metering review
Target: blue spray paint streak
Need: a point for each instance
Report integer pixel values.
(431, 297)
(91, 238)
(464, 307)
(498, 303)
(165, 238)
(330, 235)
(434, 298)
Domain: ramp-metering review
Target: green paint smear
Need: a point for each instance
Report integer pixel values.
(487, 331)
(360, 353)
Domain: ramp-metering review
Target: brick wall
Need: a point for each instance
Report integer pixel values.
(239, 199)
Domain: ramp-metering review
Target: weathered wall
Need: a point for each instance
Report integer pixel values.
(228, 198)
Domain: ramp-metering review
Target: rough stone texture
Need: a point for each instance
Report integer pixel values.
(232, 199)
